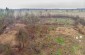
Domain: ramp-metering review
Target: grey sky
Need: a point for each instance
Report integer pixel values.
(42, 3)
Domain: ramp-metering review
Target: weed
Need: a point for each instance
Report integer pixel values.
(60, 41)
(75, 48)
(59, 52)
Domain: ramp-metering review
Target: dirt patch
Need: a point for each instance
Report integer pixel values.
(9, 34)
(66, 31)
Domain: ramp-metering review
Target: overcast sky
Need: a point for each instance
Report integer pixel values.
(42, 4)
